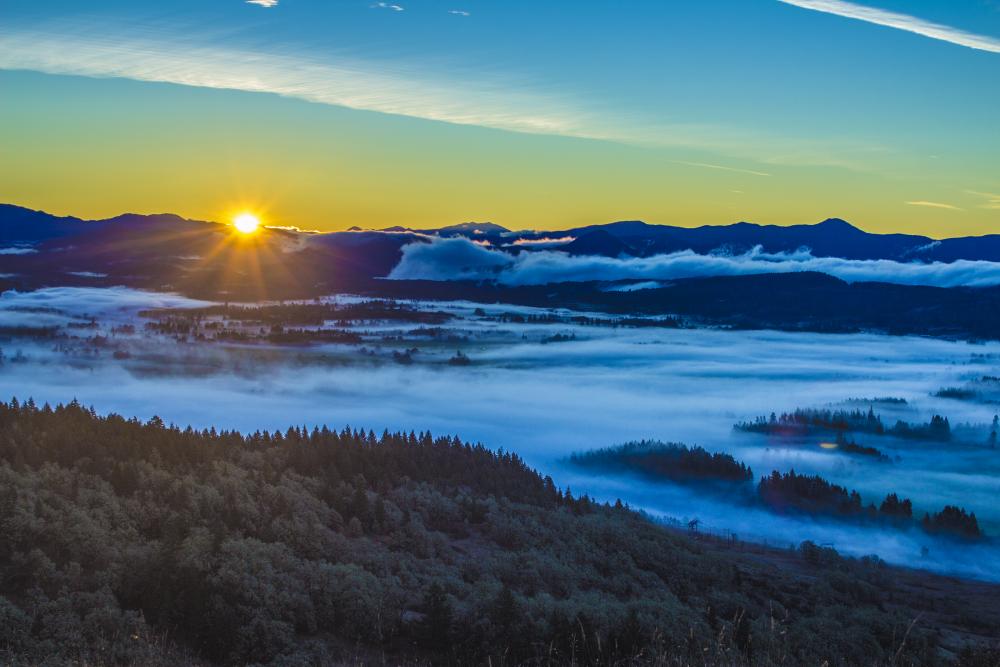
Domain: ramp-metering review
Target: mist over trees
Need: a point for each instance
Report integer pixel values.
(814, 495)
(781, 493)
(810, 420)
(952, 521)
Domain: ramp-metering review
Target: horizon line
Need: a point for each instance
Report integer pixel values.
(404, 228)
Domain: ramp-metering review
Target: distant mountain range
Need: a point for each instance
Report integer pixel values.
(831, 238)
(208, 260)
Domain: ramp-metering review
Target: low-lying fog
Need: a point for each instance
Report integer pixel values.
(464, 259)
(544, 401)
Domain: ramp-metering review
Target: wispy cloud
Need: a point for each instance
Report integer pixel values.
(463, 97)
(707, 165)
(263, 3)
(992, 199)
(459, 12)
(934, 204)
(381, 86)
(900, 22)
(388, 5)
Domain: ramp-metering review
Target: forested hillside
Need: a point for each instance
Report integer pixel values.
(139, 543)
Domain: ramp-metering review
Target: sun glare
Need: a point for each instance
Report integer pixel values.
(246, 223)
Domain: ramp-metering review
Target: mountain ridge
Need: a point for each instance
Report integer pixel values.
(10, 214)
(168, 251)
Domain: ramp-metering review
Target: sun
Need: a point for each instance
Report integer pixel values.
(246, 223)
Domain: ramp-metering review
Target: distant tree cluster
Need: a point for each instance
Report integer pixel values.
(525, 318)
(305, 314)
(438, 333)
(672, 461)
(808, 493)
(559, 338)
(814, 495)
(879, 400)
(460, 359)
(938, 429)
(667, 322)
(852, 447)
(984, 389)
(282, 336)
(36, 333)
(958, 393)
(895, 508)
(406, 356)
(778, 492)
(807, 420)
(804, 421)
(282, 323)
(143, 544)
(952, 521)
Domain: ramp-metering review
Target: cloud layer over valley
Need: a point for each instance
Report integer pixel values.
(597, 387)
(461, 259)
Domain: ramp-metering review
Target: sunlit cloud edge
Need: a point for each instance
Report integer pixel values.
(898, 21)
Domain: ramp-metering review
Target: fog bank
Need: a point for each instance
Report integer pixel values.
(461, 259)
(601, 386)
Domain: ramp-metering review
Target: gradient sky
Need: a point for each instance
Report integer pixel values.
(529, 113)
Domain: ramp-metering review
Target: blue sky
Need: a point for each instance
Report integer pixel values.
(754, 87)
